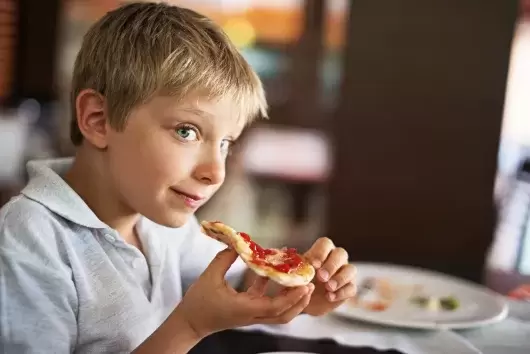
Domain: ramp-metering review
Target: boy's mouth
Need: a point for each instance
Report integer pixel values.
(191, 200)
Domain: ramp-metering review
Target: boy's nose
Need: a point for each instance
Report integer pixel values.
(211, 172)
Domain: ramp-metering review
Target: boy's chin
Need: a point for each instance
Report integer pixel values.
(172, 220)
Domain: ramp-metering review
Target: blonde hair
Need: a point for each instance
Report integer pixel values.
(143, 49)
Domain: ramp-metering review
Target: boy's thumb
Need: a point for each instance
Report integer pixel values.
(222, 262)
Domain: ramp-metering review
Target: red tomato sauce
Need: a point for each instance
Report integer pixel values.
(291, 259)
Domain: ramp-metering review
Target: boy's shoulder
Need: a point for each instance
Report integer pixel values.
(23, 211)
(25, 221)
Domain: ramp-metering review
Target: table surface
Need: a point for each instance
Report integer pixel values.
(332, 334)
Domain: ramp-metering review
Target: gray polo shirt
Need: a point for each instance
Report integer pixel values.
(70, 284)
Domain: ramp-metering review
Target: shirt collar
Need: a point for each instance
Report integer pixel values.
(47, 187)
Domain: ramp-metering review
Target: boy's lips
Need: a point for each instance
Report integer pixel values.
(196, 197)
(191, 200)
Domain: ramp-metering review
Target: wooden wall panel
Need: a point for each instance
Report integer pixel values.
(417, 131)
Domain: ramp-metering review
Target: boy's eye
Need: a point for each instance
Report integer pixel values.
(187, 133)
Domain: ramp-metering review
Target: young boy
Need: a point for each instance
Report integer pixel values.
(102, 253)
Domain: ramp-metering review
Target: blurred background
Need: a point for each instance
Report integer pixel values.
(400, 129)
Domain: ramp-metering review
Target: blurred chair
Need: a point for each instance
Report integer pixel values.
(287, 153)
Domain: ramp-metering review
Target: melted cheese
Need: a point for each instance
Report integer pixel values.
(275, 259)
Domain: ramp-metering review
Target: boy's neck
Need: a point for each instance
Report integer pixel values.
(89, 179)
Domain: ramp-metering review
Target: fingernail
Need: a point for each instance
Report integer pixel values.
(324, 275)
(331, 296)
(317, 264)
(332, 284)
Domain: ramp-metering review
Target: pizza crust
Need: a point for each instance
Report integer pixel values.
(302, 275)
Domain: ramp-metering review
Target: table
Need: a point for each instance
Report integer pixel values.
(512, 336)
(331, 334)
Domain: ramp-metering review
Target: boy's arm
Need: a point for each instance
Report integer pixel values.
(38, 300)
(174, 336)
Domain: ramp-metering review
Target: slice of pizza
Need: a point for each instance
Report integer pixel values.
(284, 266)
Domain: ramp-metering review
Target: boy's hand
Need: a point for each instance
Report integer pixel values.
(211, 305)
(335, 278)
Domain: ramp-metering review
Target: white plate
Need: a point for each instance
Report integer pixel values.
(478, 305)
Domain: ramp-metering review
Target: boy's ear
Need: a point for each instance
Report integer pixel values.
(92, 117)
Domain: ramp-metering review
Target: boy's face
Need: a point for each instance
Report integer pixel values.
(170, 158)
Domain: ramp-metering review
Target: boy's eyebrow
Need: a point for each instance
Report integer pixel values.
(198, 112)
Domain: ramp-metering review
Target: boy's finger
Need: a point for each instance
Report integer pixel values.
(221, 263)
(274, 307)
(337, 258)
(259, 287)
(291, 313)
(343, 293)
(344, 276)
(318, 253)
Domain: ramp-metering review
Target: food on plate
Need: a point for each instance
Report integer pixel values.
(284, 266)
(374, 294)
(449, 303)
(378, 294)
(434, 304)
(377, 306)
(521, 293)
(427, 302)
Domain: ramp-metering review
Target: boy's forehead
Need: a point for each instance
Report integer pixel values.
(207, 105)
